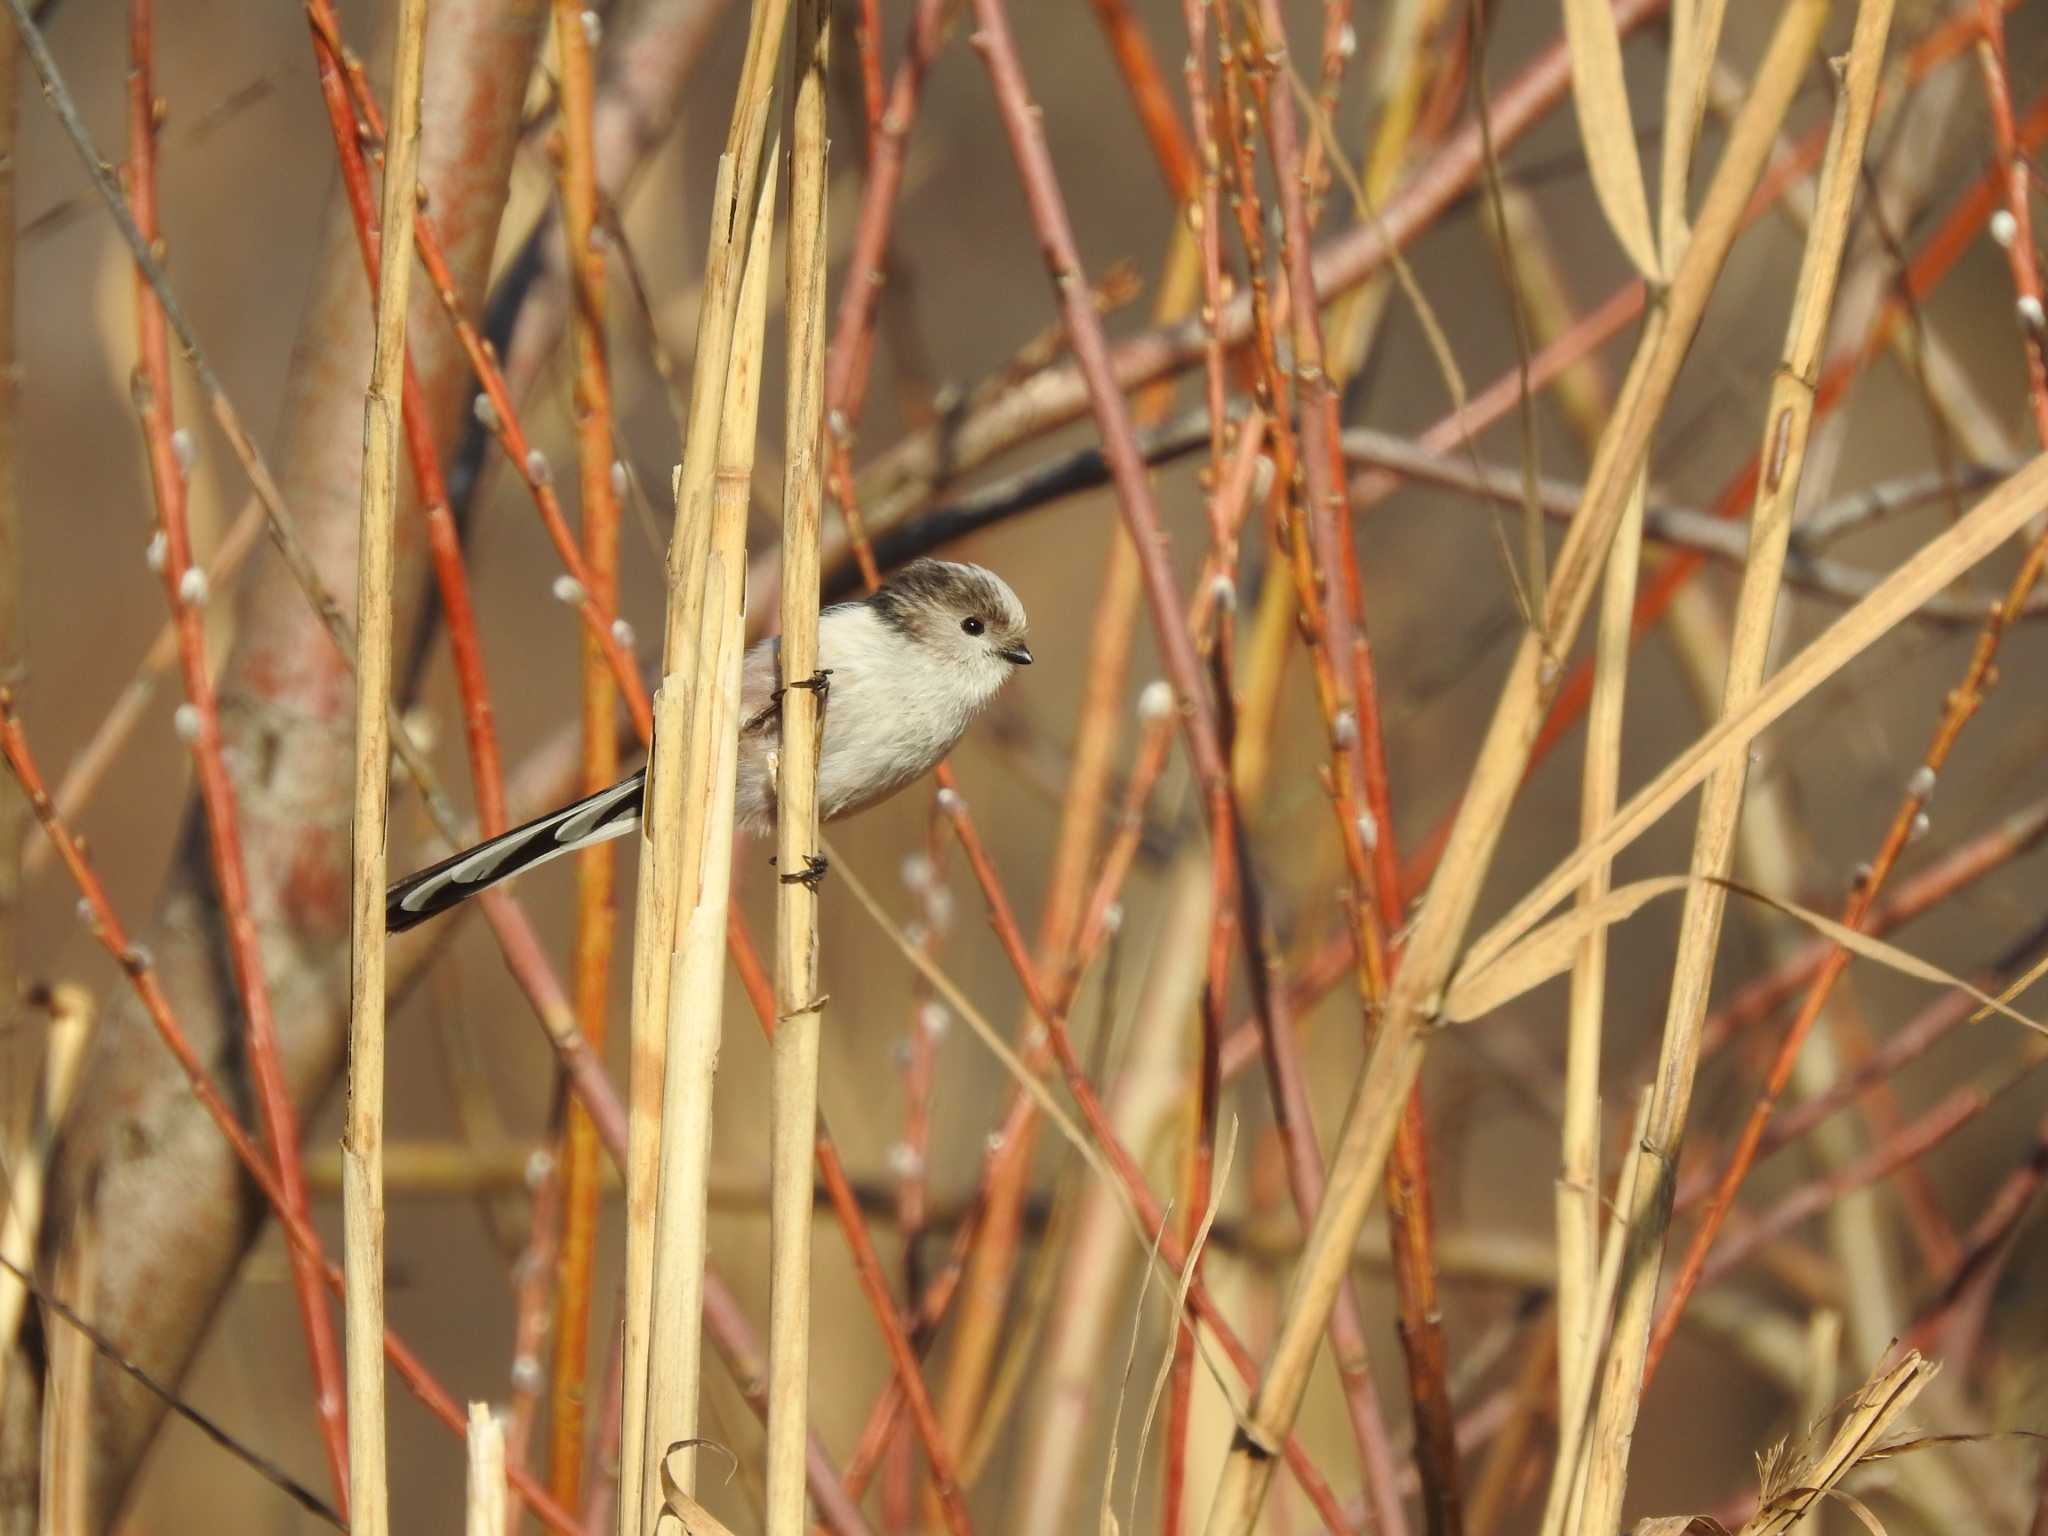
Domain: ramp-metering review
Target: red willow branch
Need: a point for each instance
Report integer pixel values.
(1358, 765)
(185, 589)
(603, 624)
(444, 543)
(137, 965)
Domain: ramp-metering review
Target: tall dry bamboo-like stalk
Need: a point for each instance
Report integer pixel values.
(799, 1009)
(1787, 421)
(1396, 1057)
(680, 779)
(696, 991)
(363, 1143)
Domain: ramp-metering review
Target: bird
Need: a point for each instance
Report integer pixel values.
(901, 674)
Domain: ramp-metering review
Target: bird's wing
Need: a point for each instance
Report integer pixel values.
(608, 813)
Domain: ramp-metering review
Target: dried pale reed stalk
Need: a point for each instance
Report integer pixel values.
(696, 991)
(1786, 424)
(362, 1179)
(1578, 1178)
(799, 1009)
(672, 858)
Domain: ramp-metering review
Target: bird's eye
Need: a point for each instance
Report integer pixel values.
(972, 625)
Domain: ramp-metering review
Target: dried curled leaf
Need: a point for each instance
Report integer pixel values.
(1600, 94)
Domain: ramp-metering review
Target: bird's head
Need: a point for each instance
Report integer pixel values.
(962, 615)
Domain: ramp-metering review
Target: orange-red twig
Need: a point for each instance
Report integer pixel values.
(594, 911)
(199, 722)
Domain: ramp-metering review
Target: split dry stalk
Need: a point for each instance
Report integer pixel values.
(799, 1007)
(595, 925)
(185, 590)
(683, 782)
(363, 1141)
(709, 667)
(1396, 1057)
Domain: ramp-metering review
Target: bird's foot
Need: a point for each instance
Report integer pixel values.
(811, 875)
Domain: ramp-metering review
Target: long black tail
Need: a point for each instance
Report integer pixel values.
(608, 813)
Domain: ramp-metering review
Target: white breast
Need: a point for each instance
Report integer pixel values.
(894, 710)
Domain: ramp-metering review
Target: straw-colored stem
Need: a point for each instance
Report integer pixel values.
(1786, 424)
(799, 1009)
(1578, 1178)
(484, 1506)
(1396, 1057)
(694, 1002)
(671, 857)
(363, 1140)
(582, 1156)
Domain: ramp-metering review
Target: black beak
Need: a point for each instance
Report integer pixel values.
(1017, 655)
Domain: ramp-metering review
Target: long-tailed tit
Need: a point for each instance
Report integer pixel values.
(901, 675)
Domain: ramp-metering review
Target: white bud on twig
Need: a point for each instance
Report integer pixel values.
(185, 449)
(1919, 828)
(917, 872)
(904, 1160)
(568, 589)
(2030, 312)
(2004, 227)
(1113, 918)
(1368, 830)
(622, 632)
(1344, 729)
(540, 1167)
(538, 470)
(192, 587)
(934, 1019)
(157, 553)
(185, 721)
(138, 957)
(86, 916)
(486, 413)
(951, 802)
(938, 907)
(619, 479)
(1155, 700)
(526, 1373)
(593, 27)
(1224, 590)
(1921, 785)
